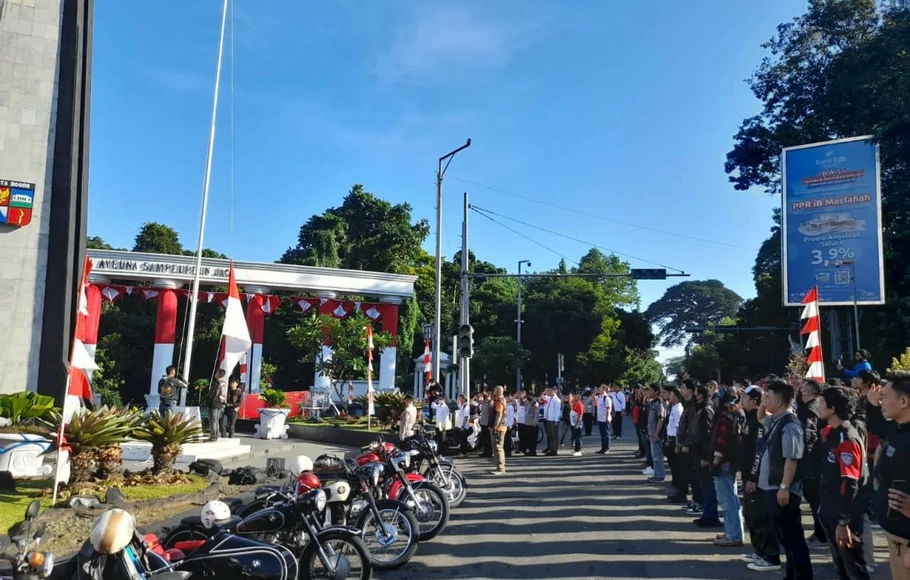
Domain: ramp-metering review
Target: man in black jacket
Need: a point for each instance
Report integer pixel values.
(766, 555)
(807, 411)
(892, 471)
(698, 441)
(841, 478)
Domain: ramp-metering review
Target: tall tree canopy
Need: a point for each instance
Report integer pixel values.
(839, 70)
(691, 304)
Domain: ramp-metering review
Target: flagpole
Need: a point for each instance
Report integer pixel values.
(191, 327)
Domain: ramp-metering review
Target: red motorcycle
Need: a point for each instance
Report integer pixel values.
(425, 498)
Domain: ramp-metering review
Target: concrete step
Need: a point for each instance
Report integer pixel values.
(223, 450)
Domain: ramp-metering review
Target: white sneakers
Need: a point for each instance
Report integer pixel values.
(647, 471)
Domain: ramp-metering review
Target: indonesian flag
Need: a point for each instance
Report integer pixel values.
(427, 359)
(235, 334)
(370, 409)
(82, 363)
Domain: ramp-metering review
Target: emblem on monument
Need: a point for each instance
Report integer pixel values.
(16, 199)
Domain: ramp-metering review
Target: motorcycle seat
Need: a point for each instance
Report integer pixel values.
(228, 524)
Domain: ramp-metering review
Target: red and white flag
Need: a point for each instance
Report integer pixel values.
(82, 363)
(235, 334)
(812, 329)
(427, 360)
(370, 409)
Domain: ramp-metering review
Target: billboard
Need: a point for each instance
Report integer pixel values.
(831, 219)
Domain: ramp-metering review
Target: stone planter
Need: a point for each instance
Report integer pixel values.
(337, 436)
(272, 424)
(23, 455)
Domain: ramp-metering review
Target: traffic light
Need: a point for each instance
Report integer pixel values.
(466, 341)
(648, 274)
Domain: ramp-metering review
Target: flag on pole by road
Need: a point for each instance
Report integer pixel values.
(78, 382)
(235, 333)
(812, 328)
(370, 409)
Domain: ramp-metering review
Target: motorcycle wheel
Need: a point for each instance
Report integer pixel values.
(456, 489)
(395, 549)
(433, 511)
(346, 553)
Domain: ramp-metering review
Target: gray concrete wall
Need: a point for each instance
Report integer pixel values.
(29, 49)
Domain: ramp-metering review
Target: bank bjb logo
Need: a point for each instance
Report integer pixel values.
(16, 199)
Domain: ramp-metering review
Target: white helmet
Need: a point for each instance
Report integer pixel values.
(214, 511)
(113, 531)
(300, 464)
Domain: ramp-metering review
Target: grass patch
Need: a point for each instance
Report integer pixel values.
(13, 504)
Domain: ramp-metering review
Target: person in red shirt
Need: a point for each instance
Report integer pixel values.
(841, 509)
(576, 421)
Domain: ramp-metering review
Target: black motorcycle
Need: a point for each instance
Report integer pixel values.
(335, 553)
(436, 467)
(22, 560)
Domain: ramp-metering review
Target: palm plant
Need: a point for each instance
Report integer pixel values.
(87, 434)
(110, 456)
(167, 433)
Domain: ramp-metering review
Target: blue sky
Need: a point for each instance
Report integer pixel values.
(614, 109)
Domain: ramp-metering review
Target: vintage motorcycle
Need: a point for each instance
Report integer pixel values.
(22, 560)
(438, 468)
(423, 496)
(291, 521)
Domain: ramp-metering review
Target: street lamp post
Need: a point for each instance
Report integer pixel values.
(518, 329)
(437, 328)
(852, 265)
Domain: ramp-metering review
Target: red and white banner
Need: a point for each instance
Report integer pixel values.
(370, 409)
(812, 330)
(235, 332)
(427, 360)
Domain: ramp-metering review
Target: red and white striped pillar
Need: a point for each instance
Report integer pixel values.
(389, 354)
(165, 333)
(259, 306)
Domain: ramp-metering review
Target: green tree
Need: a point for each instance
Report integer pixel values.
(349, 346)
(498, 358)
(641, 367)
(841, 70)
(697, 303)
(158, 238)
(97, 243)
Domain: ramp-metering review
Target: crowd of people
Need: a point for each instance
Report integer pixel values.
(739, 457)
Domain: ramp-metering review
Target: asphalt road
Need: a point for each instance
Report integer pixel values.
(578, 518)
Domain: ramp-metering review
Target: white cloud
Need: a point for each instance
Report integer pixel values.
(443, 40)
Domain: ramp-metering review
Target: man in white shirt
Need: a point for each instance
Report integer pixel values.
(674, 398)
(441, 409)
(603, 404)
(552, 413)
(520, 414)
(619, 407)
(463, 422)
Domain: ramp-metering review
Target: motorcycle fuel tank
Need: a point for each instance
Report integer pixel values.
(367, 458)
(227, 556)
(337, 491)
(262, 521)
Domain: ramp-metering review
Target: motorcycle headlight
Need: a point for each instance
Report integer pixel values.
(320, 500)
(434, 446)
(406, 461)
(373, 475)
(41, 562)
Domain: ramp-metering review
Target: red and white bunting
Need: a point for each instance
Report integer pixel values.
(812, 328)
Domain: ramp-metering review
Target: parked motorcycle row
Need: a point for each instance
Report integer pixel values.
(333, 519)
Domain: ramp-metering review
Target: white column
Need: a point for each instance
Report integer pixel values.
(387, 360)
(321, 381)
(255, 358)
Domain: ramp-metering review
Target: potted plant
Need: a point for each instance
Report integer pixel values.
(167, 433)
(22, 444)
(91, 440)
(273, 418)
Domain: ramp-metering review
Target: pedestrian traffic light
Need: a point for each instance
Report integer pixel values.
(648, 274)
(466, 341)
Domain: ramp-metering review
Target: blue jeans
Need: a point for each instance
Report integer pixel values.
(708, 492)
(605, 434)
(657, 455)
(725, 486)
(576, 437)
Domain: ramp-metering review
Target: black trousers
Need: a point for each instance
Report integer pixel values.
(683, 467)
(849, 562)
(530, 439)
(486, 443)
(552, 436)
(617, 424)
(228, 421)
(787, 523)
(674, 465)
(588, 420)
(758, 522)
(812, 494)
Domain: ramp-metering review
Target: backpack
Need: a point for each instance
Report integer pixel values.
(247, 476)
(206, 466)
(165, 388)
